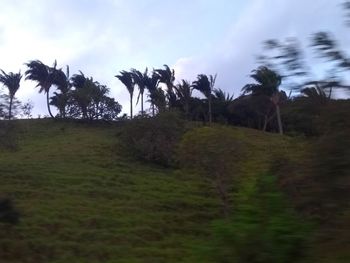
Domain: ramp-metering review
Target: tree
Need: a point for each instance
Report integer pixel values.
(12, 82)
(184, 93)
(62, 82)
(220, 105)
(43, 75)
(156, 94)
(205, 85)
(167, 77)
(140, 79)
(267, 83)
(127, 79)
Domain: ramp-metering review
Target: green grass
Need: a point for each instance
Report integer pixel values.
(82, 200)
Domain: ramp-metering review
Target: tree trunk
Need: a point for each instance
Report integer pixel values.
(265, 123)
(48, 104)
(280, 128)
(130, 106)
(330, 93)
(209, 101)
(142, 104)
(10, 109)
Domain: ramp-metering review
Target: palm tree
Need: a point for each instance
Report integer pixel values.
(205, 85)
(127, 79)
(140, 80)
(167, 77)
(156, 94)
(184, 93)
(222, 96)
(83, 92)
(267, 83)
(12, 82)
(62, 81)
(43, 75)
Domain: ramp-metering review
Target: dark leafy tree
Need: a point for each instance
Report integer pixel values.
(267, 84)
(127, 79)
(12, 82)
(43, 75)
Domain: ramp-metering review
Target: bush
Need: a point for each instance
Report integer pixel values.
(8, 214)
(263, 227)
(153, 139)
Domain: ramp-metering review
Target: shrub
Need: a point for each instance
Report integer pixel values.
(263, 227)
(153, 139)
(8, 213)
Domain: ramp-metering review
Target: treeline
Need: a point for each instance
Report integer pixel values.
(77, 96)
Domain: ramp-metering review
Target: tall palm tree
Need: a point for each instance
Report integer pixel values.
(267, 84)
(140, 80)
(62, 82)
(184, 93)
(167, 77)
(43, 75)
(205, 85)
(156, 95)
(127, 79)
(11, 81)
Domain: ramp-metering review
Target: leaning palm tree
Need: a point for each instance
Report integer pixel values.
(267, 83)
(62, 82)
(126, 78)
(155, 95)
(43, 75)
(11, 81)
(205, 85)
(167, 77)
(140, 79)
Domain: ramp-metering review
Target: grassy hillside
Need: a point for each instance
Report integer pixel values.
(82, 200)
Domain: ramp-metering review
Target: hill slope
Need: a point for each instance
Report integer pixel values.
(82, 200)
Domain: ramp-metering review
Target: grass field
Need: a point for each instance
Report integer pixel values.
(82, 200)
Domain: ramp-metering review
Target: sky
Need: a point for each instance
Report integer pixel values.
(103, 37)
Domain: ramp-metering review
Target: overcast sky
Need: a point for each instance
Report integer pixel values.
(102, 37)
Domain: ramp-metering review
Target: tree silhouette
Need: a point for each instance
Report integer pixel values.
(43, 75)
(140, 79)
(184, 93)
(62, 82)
(267, 83)
(127, 79)
(12, 82)
(205, 85)
(167, 77)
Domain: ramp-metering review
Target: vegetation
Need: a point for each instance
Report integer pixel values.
(262, 177)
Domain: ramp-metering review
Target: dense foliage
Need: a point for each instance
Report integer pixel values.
(153, 139)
